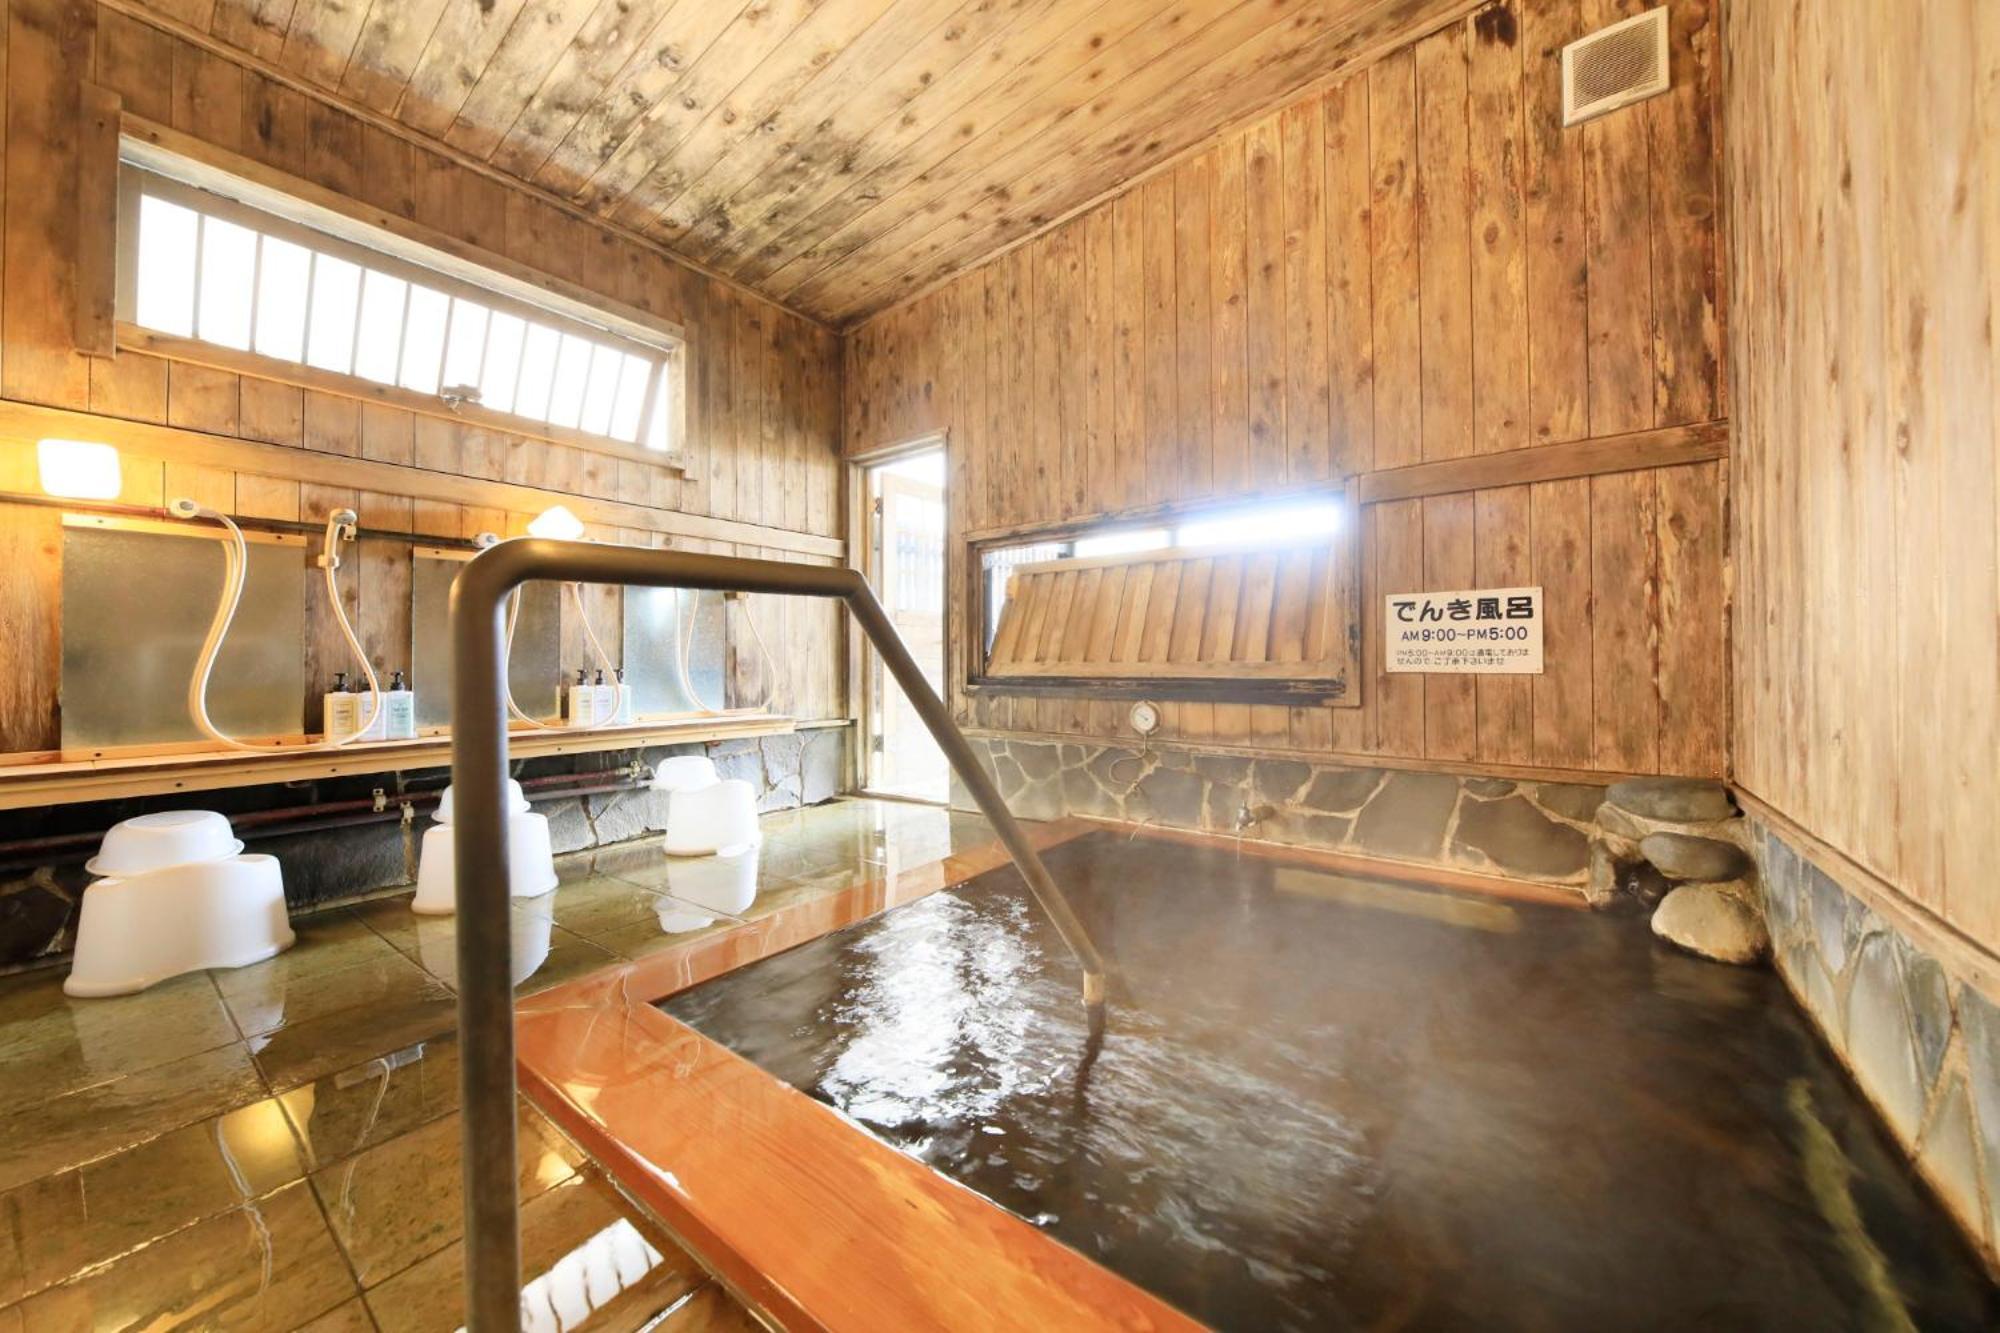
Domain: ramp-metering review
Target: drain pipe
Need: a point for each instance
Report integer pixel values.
(381, 808)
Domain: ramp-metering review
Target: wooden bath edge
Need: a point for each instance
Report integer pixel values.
(804, 1215)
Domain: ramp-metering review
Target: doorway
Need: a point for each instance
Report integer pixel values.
(906, 503)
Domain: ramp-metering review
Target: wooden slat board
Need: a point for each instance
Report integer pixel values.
(1180, 615)
(1455, 245)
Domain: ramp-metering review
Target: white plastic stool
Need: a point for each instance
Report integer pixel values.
(531, 863)
(184, 899)
(720, 819)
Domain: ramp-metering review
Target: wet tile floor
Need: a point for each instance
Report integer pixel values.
(276, 1146)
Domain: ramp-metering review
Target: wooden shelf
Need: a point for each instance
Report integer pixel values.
(55, 781)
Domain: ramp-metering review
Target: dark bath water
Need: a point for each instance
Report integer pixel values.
(1330, 1103)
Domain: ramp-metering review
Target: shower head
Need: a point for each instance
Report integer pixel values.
(347, 518)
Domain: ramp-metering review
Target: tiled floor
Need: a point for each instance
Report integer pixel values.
(276, 1146)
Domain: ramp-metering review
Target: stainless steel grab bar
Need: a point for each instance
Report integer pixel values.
(492, 1245)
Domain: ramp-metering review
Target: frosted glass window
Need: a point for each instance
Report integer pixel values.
(423, 339)
(336, 301)
(630, 401)
(228, 272)
(167, 234)
(503, 362)
(1122, 541)
(284, 276)
(199, 259)
(1260, 524)
(656, 424)
(466, 344)
(601, 393)
(378, 342)
(572, 376)
(538, 372)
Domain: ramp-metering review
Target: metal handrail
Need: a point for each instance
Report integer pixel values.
(492, 1245)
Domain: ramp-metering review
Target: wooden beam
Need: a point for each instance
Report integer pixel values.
(22, 424)
(133, 338)
(96, 227)
(1637, 451)
(52, 781)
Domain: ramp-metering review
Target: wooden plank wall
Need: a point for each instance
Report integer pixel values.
(1865, 284)
(1415, 264)
(764, 397)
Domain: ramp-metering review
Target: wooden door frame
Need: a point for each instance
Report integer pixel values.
(861, 534)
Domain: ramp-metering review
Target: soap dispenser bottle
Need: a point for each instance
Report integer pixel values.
(399, 706)
(622, 715)
(339, 719)
(374, 728)
(582, 703)
(606, 704)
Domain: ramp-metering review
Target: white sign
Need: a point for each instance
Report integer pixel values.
(1488, 631)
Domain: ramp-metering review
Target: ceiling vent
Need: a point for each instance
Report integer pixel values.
(1615, 66)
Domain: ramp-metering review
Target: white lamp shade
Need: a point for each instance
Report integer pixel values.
(556, 521)
(79, 469)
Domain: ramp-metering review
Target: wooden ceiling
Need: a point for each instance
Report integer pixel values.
(835, 155)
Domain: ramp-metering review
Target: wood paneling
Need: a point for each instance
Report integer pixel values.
(1399, 276)
(763, 382)
(1864, 281)
(837, 154)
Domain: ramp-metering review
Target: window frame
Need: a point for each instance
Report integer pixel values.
(220, 185)
(1335, 681)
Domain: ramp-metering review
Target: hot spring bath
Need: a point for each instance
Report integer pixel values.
(1328, 1102)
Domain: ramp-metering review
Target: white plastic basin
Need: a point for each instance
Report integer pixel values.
(517, 802)
(168, 838)
(684, 772)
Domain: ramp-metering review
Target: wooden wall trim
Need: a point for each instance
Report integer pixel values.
(1593, 777)
(277, 74)
(25, 423)
(97, 244)
(1633, 452)
(193, 351)
(1961, 954)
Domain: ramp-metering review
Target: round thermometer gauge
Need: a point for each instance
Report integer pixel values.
(1145, 718)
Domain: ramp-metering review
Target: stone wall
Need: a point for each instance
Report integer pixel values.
(1529, 830)
(1924, 1045)
(39, 901)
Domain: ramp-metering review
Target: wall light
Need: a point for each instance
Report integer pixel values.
(79, 469)
(556, 522)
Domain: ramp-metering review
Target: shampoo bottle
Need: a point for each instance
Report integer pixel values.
(377, 727)
(607, 700)
(581, 708)
(399, 706)
(340, 719)
(623, 715)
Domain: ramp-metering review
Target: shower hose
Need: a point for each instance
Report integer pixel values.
(235, 570)
(339, 527)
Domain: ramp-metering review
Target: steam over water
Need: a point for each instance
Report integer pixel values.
(1330, 1103)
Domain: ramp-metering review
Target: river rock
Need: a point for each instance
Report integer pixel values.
(1706, 920)
(1677, 800)
(1600, 887)
(1682, 856)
